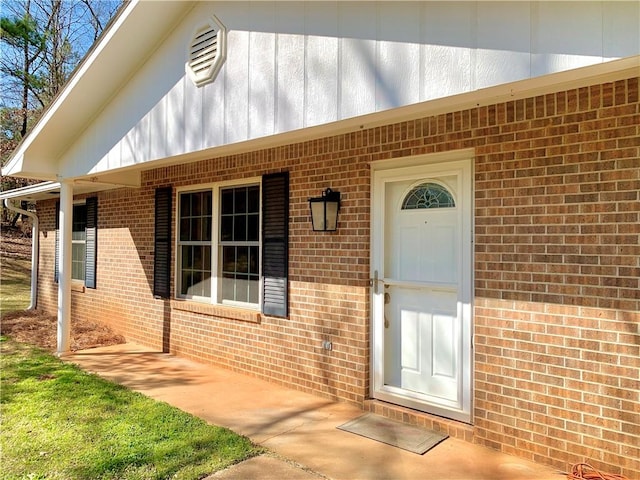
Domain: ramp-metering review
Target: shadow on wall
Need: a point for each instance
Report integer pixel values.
(375, 53)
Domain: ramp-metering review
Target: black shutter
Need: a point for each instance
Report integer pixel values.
(162, 247)
(91, 250)
(56, 268)
(275, 243)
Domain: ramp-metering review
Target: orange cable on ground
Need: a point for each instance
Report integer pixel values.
(584, 471)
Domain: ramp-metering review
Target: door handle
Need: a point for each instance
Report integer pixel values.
(374, 282)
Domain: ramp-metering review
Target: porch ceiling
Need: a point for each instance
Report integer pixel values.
(46, 191)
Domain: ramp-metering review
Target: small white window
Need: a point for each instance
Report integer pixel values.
(428, 195)
(78, 241)
(207, 52)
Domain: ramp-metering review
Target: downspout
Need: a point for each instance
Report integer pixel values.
(35, 233)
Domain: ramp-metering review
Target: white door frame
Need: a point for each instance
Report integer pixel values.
(382, 172)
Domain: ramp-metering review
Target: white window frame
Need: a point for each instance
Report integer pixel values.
(78, 242)
(216, 284)
(180, 243)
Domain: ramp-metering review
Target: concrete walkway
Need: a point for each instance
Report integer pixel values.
(299, 429)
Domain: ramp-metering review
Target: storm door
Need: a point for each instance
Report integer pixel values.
(421, 283)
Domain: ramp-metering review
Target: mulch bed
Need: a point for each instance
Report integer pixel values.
(37, 327)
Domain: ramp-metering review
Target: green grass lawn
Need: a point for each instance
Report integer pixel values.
(59, 422)
(15, 284)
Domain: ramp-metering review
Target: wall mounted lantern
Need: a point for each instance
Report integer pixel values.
(324, 211)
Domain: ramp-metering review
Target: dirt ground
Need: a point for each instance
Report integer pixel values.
(15, 242)
(40, 328)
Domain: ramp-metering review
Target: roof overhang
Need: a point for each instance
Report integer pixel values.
(40, 191)
(96, 183)
(132, 38)
(124, 46)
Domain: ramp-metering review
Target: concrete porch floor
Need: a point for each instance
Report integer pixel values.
(300, 429)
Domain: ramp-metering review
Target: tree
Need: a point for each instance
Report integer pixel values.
(41, 43)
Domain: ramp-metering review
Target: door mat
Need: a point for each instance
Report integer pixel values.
(408, 437)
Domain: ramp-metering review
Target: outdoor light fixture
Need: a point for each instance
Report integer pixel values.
(324, 211)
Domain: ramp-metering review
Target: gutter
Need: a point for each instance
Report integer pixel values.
(35, 234)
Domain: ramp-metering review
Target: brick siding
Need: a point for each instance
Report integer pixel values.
(557, 269)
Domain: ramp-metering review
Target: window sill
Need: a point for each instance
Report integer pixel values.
(77, 286)
(223, 311)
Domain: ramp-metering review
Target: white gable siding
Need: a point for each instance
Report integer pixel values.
(295, 65)
(290, 55)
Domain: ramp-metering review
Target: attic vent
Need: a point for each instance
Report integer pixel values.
(207, 52)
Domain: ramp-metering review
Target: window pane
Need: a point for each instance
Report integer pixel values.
(197, 258)
(196, 204)
(206, 229)
(186, 282)
(187, 258)
(228, 285)
(253, 227)
(226, 228)
(240, 198)
(253, 260)
(78, 239)
(184, 229)
(242, 288)
(240, 223)
(207, 208)
(195, 217)
(206, 258)
(77, 261)
(185, 205)
(428, 195)
(242, 263)
(77, 270)
(254, 199)
(196, 230)
(254, 290)
(195, 275)
(79, 222)
(226, 202)
(228, 259)
(240, 228)
(196, 284)
(206, 284)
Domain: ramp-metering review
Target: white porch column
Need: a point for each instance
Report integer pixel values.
(64, 268)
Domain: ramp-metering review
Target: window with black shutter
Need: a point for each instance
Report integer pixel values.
(223, 254)
(84, 242)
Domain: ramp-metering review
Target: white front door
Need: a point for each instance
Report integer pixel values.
(421, 262)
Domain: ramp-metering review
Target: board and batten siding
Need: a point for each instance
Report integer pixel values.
(292, 65)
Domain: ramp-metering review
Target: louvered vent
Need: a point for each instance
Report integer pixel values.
(207, 52)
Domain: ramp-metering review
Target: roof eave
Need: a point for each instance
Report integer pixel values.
(31, 192)
(74, 107)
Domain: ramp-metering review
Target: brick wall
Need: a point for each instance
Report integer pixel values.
(557, 248)
(557, 267)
